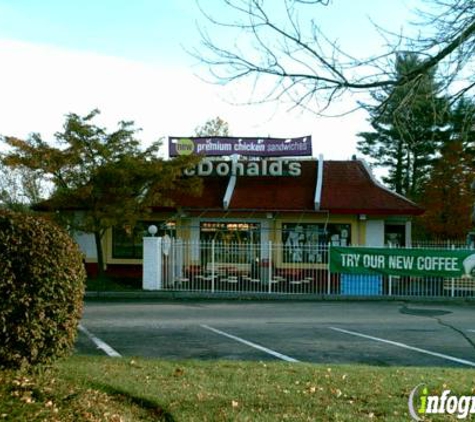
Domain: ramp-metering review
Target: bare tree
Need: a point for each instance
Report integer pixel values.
(292, 58)
(21, 187)
(213, 127)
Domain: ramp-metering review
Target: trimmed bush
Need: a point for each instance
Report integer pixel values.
(41, 290)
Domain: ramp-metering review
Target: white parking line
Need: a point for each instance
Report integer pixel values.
(254, 345)
(99, 343)
(406, 346)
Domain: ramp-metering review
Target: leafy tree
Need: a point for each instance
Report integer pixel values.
(288, 56)
(407, 124)
(213, 127)
(100, 179)
(447, 195)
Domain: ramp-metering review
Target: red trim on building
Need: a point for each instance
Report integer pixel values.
(115, 270)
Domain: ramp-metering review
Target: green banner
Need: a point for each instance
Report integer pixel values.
(403, 262)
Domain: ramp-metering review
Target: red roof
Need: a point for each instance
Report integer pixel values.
(348, 188)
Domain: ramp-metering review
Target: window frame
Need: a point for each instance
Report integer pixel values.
(164, 227)
(303, 244)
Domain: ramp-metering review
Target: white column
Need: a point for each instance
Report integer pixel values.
(152, 263)
(195, 239)
(265, 229)
(408, 234)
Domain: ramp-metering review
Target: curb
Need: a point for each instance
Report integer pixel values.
(180, 295)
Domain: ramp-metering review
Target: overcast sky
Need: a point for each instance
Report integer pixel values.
(128, 59)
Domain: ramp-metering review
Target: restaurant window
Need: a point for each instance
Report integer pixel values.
(231, 232)
(395, 235)
(235, 242)
(303, 242)
(127, 241)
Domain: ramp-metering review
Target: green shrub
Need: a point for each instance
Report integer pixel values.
(41, 290)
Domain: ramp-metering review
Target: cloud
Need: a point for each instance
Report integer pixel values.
(39, 84)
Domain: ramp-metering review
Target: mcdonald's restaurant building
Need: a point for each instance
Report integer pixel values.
(287, 200)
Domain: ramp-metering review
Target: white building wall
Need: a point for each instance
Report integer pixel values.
(87, 244)
(374, 233)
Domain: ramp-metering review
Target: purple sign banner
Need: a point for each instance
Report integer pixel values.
(226, 146)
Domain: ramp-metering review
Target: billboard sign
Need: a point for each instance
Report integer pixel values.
(252, 147)
(403, 262)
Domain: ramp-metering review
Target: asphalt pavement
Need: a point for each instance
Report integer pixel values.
(374, 333)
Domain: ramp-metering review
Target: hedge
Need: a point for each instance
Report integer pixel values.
(42, 280)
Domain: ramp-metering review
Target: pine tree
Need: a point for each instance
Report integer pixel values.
(407, 124)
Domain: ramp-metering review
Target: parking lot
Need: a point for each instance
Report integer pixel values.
(374, 333)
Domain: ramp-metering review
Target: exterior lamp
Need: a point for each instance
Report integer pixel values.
(152, 230)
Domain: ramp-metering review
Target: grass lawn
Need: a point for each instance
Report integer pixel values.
(118, 390)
